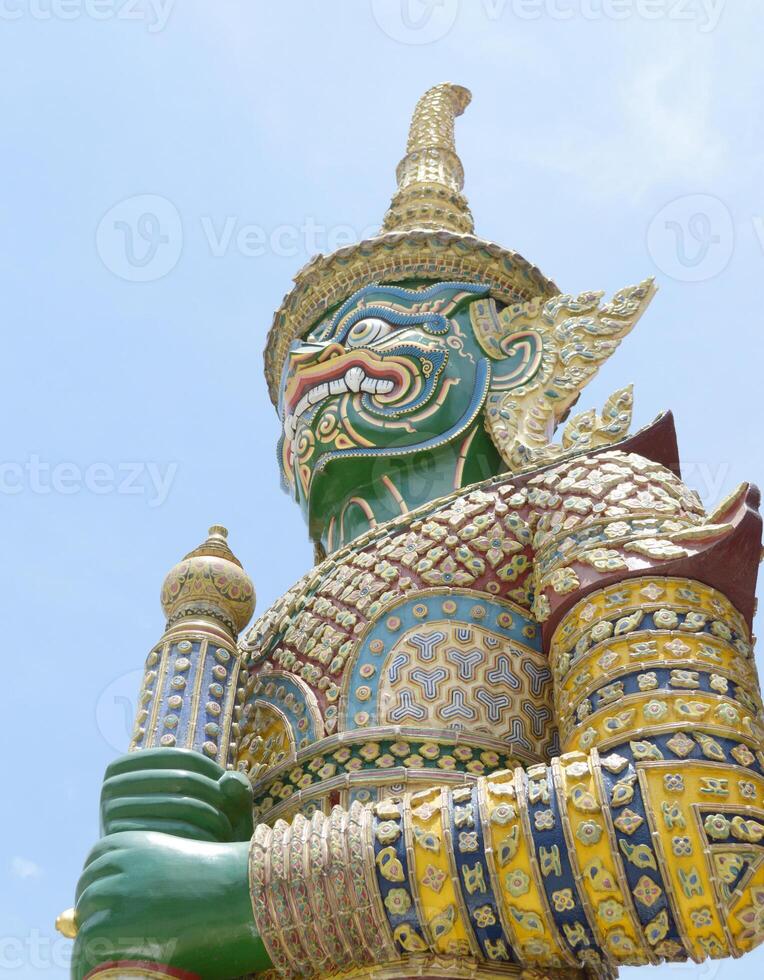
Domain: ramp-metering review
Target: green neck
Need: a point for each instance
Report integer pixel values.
(345, 505)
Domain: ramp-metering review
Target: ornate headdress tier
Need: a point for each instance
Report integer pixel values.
(427, 235)
(431, 176)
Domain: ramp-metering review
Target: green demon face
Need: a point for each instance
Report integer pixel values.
(381, 406)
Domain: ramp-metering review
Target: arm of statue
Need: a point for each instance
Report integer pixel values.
(641, 844)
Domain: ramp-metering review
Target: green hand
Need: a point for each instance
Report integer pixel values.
(176, 791)
(179, 902)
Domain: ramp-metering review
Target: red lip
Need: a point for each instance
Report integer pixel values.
(306, 378)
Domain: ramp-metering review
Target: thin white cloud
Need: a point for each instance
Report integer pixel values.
(23, 868)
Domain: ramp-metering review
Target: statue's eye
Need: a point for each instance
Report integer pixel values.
(367, 331)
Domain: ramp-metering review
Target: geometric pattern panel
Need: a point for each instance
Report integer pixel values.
(453, 661)
(467, 678)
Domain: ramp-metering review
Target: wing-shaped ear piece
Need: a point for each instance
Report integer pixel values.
(544, 354)
(515, 353)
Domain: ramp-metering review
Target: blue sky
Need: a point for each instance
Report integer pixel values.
(607, 140)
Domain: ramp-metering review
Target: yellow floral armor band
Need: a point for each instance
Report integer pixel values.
(641, 843)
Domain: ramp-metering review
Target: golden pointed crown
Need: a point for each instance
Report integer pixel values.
(431, 175)
(427, 234)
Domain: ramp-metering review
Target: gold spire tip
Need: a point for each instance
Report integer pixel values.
(430, 176)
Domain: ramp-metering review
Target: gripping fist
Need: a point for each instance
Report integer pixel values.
(178, 792)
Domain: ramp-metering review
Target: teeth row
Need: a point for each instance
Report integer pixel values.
(355, 380)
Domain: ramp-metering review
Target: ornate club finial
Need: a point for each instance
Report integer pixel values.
(431, 176)
(210, 582)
